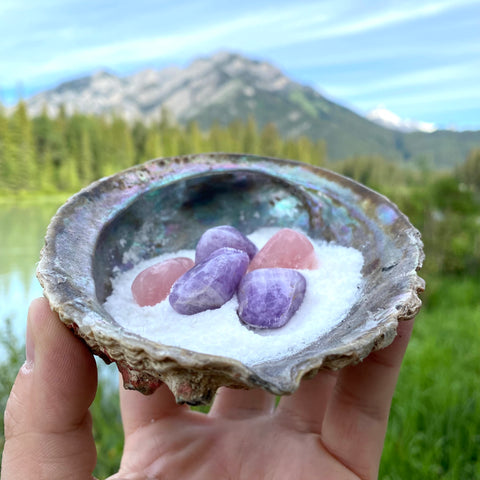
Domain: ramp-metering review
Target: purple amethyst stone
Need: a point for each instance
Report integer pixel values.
(223, 236)
(209, 284)
(269, 297)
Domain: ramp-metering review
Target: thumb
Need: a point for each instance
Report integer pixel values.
(48, 432)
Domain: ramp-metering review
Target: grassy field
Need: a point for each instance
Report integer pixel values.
(434, 430)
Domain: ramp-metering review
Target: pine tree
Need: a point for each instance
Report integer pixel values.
(171, 135)
(43, 133)
(305, 149)
(47, 172)
(270, 141)
(290, 150)
(139, 136)
(41, 130)
(171, 139)
(102, 147)
(166, 119)
(68, 179)
(23, 168)
(153, 144)
(469, 171)
(58, 146)
(219, 139)
(4, 161)
(319, 153)
(194, 137)
(85, 157)
(251, 140)
(236, 131)
(122, 143)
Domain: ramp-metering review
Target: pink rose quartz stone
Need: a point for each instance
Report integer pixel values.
(286, 249)
(153, 285)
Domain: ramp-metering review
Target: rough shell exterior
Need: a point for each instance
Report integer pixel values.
(166, 204)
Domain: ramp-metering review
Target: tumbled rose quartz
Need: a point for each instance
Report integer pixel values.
(152, 285)
(211, 283)
(223, 236)
(286, 249)
(269, 297)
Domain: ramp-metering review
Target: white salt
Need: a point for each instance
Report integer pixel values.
(332, 290)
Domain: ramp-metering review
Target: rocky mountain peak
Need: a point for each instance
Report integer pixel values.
(184, 91)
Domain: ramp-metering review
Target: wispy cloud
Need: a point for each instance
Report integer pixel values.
(449, 75)
(437, 99)
(380, 17)
(244, 32)
(389, 17)
(291, 24)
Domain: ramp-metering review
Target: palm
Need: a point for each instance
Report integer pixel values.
(333, 427)
(252, 444)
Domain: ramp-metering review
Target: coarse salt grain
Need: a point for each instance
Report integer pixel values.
(332, 290)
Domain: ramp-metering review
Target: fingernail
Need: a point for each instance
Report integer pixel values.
(29, 347)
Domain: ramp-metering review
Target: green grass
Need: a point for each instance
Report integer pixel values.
(107, 424)
(25, 198)
(12, 356)
(434, 429)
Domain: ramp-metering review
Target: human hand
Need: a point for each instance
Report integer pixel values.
(333, 427)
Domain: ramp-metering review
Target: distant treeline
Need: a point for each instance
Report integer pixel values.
(64, 153)
(67, 152)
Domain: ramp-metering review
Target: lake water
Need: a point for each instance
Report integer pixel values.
(22, 230)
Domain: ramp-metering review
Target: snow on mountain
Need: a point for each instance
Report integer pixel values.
(388, 119)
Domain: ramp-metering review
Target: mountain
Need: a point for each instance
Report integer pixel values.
(228, 86)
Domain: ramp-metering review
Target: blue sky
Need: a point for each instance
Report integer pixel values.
(419, 59)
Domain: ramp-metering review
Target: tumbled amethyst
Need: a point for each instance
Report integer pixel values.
(210, 283)
(223, 236)
(269, 297)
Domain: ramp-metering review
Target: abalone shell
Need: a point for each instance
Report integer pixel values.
(166, 204)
